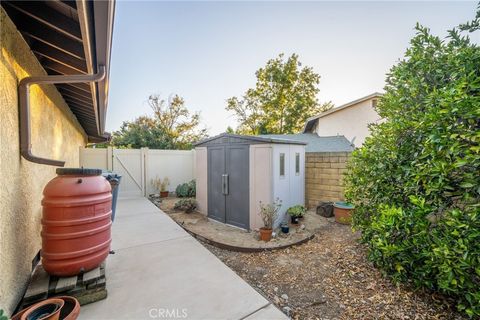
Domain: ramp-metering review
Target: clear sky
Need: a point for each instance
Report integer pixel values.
(209, 51)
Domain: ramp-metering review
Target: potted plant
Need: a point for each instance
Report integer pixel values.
(161, 185)
(285, 228)
(343, 212)
(269, 213)
(296, 213)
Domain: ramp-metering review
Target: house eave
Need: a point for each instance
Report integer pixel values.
(71, 38)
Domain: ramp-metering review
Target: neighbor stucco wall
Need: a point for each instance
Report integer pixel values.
(55, 134)
(261, 188)
(201, 179)
(352, 122)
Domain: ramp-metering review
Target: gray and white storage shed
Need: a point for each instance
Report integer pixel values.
(235, 172)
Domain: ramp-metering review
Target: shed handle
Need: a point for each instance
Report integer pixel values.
(225, 184)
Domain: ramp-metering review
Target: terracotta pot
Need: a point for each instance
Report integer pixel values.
(343, 212)
(163, 194)
(69, 311)
(265, 234)
(45, 310)
(71, 308)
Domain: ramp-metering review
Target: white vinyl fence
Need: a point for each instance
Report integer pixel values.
(139, 166)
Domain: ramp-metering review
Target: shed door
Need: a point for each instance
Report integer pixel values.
(237, 200)
(216, 168)
(228, 184)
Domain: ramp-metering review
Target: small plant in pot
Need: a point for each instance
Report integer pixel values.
(269, 212)
(296, 213)
(285, 228)
(161, 185)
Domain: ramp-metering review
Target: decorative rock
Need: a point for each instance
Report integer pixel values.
(276, 300)
(260, 269)
(284, 297)
(302, 227)
(275, 289)
(325, 209)
(322, 300)
(287, 310)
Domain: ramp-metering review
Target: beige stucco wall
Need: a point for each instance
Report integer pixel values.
(201, 178)
(55, 134)
(261, 181)
(352, 122)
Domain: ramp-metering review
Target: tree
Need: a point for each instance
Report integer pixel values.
(415, 182)
(284, 97)
(171, 127)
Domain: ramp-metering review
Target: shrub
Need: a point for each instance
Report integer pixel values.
(187, 205)
(297, 211)
(415, 183)
(186, 190)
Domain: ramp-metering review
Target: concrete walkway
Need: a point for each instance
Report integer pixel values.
(159, 271)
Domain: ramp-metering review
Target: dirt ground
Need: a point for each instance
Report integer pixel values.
(330, 278)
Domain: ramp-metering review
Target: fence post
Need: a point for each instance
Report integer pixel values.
(144, 157)
(194, 163)
(110, 158)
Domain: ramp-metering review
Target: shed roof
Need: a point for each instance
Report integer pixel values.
(229, 138)
(69, 38)
(316, 143)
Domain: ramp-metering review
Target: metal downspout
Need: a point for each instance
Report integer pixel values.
(24, 108)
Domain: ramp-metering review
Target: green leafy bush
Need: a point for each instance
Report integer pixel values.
(297, 211)
(415, 183)
(186, 190)
(187, 205)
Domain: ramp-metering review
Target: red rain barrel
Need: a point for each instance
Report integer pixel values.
(76, 222)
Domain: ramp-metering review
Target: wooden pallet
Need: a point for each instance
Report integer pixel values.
(86, 288)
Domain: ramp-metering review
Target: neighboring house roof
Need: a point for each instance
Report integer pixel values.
(69, 38)
(316, 143)
(225, 138)
(311, 121)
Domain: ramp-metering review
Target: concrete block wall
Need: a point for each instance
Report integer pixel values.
(324, 176)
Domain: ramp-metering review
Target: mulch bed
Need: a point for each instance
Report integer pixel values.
(330, 278)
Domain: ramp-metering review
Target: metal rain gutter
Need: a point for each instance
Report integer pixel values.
(96, 24)
(24, 106)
